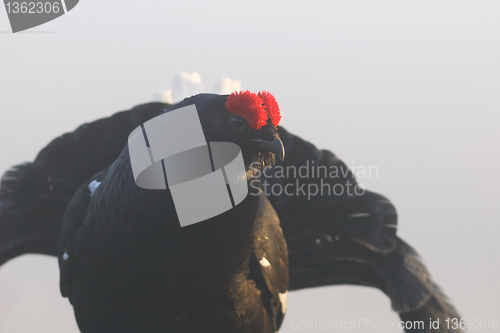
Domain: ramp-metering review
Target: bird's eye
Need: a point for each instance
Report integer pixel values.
(238, 122)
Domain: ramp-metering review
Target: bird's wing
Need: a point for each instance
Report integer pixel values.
(324, 199)
(349, 239)
(400, 274)
(34, 196)
(31, 210)
(73, 220)
(74, 157)
(269, 262)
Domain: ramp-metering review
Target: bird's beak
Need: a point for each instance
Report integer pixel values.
(274, 146)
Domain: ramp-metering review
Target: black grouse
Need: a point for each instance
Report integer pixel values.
(332, 238)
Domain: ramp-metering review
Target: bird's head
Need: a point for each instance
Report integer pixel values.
(247, 119)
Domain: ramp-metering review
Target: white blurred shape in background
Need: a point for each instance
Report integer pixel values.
(226, 85)
(189, 84)
(186, 84)
(164, 96)
(183, 85)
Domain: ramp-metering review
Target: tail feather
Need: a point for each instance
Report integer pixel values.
(434, 314)
(31, 210)
(400, 274)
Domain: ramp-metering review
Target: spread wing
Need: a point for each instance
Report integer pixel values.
(349, 237)
(34, 196)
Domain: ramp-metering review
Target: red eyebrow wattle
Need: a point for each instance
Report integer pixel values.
(255, 108)
(271, 106)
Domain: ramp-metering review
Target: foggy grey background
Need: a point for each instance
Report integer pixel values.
(409, 87)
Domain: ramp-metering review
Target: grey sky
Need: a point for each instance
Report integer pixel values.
(409, 87)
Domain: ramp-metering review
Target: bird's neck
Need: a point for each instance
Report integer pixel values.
(218, 247)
